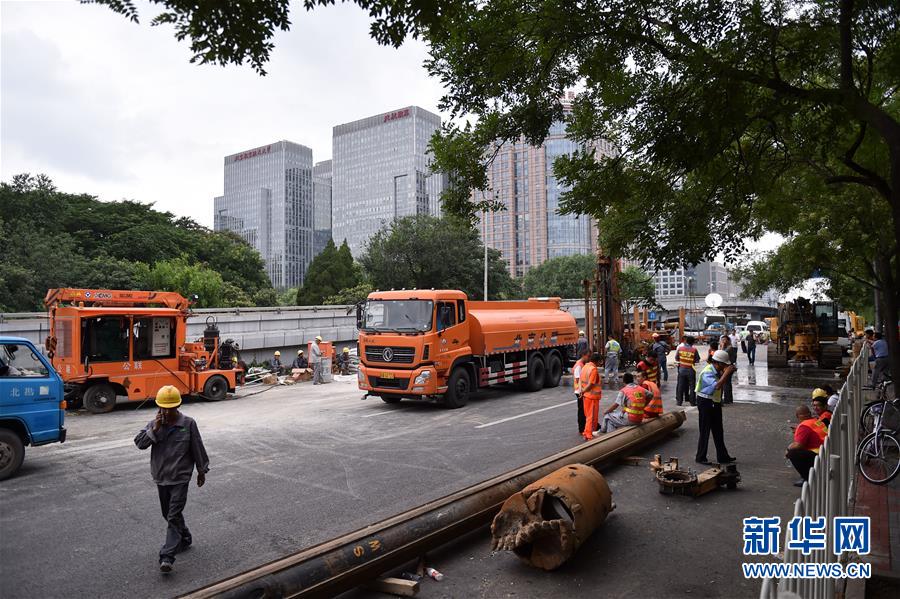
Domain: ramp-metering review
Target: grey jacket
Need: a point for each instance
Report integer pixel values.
(175, 450)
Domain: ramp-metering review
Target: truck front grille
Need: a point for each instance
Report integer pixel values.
(382, 383)
(398, 355)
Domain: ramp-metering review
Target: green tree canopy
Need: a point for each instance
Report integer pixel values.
(442, 253)
(560, 277)
(55, 239)
(333, 270)
(636, 289)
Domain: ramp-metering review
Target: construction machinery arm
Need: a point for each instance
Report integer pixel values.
(110, 297)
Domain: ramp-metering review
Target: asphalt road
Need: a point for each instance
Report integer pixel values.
(298, 465)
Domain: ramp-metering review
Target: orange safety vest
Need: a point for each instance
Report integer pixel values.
(591, 376)
(654, 407)
(819, 428)
(634, 406)
(576, 380)
(686, 356)
(652, 372)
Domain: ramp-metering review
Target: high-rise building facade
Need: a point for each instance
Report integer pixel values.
(321, 206)
(268, 201)
(380, 168)
(697, 280)
(530, 230)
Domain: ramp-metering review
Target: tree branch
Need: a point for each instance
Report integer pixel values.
(845, 26)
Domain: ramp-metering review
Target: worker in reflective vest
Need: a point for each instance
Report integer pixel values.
(709, 406)
(808, 438)
(591, 392)
(628, 405)
(583, 359)
(686, 356)
(654, 405)
(650, 366)
(611, 367)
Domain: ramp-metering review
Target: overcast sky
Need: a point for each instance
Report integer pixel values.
(114, 109)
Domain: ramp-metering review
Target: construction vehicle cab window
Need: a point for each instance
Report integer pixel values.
(436, 344)
(107, 343)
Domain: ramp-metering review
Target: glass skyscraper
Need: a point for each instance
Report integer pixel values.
(381, 172)
(268, 201)
(322, 206)
(530, 230)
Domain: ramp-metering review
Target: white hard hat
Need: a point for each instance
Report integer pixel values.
(720, 355)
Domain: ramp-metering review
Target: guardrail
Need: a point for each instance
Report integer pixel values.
(830, 488)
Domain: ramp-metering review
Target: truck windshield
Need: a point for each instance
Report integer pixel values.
(20, 361)
(413, 316)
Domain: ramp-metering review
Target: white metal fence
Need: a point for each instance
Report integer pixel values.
(830, 488)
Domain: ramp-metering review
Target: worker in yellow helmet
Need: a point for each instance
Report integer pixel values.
(343, 361)
(277, 366)
(176, 447)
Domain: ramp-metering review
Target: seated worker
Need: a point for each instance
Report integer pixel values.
(808, 438)
(820, 405)
(650, 366)
(653, 406)
(277, 366)
(343, 361)
(628, 407)
(300, 361)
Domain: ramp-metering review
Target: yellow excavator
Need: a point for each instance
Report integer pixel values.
(805, 332)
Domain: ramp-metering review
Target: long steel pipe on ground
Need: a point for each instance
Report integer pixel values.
(343, 563)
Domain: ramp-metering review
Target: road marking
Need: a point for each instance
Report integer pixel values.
(378, 413)
(568, 403)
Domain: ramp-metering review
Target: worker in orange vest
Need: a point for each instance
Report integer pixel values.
(628, 407)
(583, 359)
(808, 438)
(653, 406)
(650, 366)
(591, 392)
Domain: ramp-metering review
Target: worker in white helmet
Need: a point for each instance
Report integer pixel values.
(709, 406)
(581, 345)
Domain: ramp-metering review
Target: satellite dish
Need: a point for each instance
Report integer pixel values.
(713, 300)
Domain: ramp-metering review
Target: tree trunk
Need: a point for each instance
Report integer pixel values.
(890, 304)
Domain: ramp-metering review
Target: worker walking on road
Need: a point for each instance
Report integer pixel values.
(661, 350)
(709, 406)
(176, 447)
(583, 359)
(581, 345)
(315, 359)
(686, 357)
(653, 406)
(611, 367)
(592, 392)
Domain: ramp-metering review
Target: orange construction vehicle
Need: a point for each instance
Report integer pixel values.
(106, 343)
(437, 344)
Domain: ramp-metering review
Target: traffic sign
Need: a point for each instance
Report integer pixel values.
(652, 316)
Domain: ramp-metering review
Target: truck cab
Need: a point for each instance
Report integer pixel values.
(32, 408)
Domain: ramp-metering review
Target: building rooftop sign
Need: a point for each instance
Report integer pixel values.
(253, 153)
(397, 114)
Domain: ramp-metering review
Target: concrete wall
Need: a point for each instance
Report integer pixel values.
(258, 331)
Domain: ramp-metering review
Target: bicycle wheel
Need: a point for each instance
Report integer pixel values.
(878, 458)
(869, 418)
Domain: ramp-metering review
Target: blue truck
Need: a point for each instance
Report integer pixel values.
(32, 402)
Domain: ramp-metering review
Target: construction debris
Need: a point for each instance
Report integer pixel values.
(675, 481)
(394, 586)
(547, 521)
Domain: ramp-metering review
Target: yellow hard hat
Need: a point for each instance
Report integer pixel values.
(278, 353)
(234, 358)
(168, 397)
(318, 337)
(346, 350)
(819, 393)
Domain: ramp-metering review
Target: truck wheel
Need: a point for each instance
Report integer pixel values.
(554, 371)
(216, 388)
(12, 452)
(99, 399)
(391, 398)
(537, 372)
(775, 359)
(458, 388)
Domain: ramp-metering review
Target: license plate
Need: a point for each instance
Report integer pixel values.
(387, 375)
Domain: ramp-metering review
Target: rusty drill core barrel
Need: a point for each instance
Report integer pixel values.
(347, 561)
(546, 522)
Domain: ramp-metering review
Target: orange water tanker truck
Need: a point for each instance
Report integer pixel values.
(436, 344)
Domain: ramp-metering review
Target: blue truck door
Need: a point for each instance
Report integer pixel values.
(30, 391)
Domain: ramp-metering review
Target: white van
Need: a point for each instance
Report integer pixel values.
(757, 326)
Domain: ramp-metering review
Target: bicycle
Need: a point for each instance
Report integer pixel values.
(878, 454)
(883, 410)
